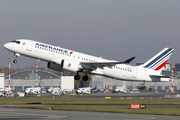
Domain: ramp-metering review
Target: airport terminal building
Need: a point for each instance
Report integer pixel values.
(27, 78)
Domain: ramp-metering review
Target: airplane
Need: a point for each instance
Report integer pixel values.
(53, 89)
(86, 90)
(60, 59)
(5, 89)
(120, 89)
(34, 90)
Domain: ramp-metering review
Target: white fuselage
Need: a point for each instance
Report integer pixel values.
(34, 90)
(120, 89)
(48, 53)
(86, 90)
(5, 89)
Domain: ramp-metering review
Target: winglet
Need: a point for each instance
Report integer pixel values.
(129, 60)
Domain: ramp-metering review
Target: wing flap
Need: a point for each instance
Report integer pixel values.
(95, 65)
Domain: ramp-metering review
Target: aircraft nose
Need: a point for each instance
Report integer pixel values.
(7, 46)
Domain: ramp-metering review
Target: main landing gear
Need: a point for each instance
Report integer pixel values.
(85, 78)
(77, 77)
(17, 55)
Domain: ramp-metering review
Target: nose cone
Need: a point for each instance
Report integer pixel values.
(7, 46)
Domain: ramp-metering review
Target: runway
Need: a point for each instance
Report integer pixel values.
(101, 95)
(1, 105)
(36, 114)
(133, 95)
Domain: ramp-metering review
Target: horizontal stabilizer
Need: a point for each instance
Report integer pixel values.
(129, 60)
(160, 76)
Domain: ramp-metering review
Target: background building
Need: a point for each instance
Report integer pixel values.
(1, 80)
(177, 66)
(27, 78)
(104, 82)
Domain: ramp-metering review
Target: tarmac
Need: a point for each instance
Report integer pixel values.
(36, 114)
(101, 95)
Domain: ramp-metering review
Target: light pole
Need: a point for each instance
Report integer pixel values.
(172, 80)
(9, 74)
(36, 83)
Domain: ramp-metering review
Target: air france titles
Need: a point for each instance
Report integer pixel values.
(50, 48)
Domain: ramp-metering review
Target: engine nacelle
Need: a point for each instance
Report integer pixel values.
(54, 66)
(70, 65)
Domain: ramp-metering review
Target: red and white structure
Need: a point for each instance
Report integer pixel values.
(172, 80)
(36, 83)
(9, 75)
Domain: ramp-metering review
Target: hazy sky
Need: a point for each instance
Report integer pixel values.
(113, 29)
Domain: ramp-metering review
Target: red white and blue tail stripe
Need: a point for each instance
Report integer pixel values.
(159, 60)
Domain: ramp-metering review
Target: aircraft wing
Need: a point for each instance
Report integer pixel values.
(92, 66)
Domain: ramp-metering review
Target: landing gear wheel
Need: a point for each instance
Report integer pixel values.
(85, 78)
(76, 77)
(15, 61)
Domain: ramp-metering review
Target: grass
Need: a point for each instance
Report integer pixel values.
(158, 110)
(86, 101)
(155, 110)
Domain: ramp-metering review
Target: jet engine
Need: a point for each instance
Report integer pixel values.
(54, 66)
(70, 65)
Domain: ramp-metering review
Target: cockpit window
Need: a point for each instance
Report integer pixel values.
(17, 42)
(13, 41)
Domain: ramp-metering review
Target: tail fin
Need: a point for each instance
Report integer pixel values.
(159, 60)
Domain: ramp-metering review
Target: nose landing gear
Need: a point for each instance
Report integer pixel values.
(15, 61)
(17, 55)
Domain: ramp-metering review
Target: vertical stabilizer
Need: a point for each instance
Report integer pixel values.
(159, 60)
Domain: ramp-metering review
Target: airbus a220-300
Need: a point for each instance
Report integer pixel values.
(60, 59)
